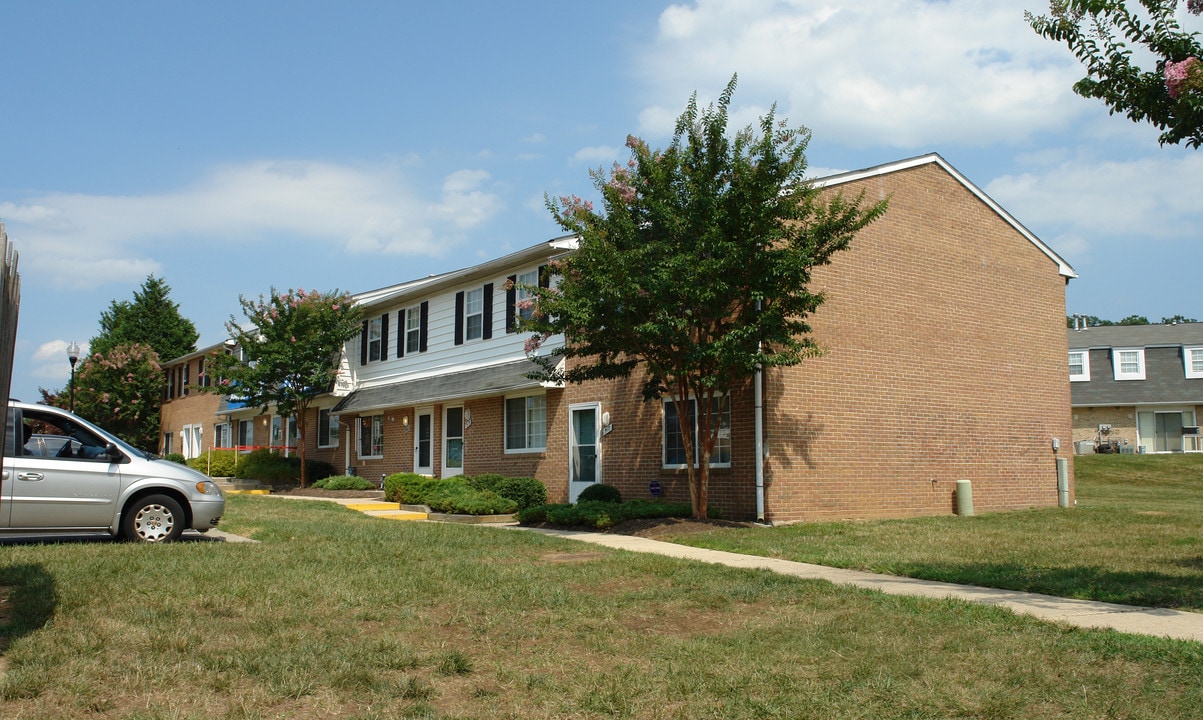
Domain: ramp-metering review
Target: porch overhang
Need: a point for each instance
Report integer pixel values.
(484, 381)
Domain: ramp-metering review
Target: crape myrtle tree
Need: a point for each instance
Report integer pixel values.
(1167, 91)
(290, 344)
(121, 390)
(694, 269)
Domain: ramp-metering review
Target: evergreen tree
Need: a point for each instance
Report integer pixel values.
(150, 319)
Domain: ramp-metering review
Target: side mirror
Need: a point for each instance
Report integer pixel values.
(114, 455)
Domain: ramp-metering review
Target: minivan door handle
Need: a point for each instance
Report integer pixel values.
(30, 476)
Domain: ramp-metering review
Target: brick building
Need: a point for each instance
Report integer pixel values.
(944, 359)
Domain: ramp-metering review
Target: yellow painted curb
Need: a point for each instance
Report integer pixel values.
(365, 507)
(399, 515)
(246, 492)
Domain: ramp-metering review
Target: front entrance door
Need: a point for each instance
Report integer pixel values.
(584, 456)
(453, 441)
(423, 442)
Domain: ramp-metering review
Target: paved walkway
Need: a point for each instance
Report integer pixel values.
(1156, 622)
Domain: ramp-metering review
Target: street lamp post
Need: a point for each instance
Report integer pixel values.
(73, 356)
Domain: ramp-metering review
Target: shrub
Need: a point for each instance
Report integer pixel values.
(458, 498)
(411, 488)
(600, 493)
(175, 458)
(526, 492)
(218, 463)
(601, 515)
(345, 482)
(269, 467)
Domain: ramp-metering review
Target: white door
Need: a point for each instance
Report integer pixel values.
(584, 450)
(424, 442)
(453, 441)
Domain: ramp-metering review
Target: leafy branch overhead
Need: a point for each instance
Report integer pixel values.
(695, 268)
(1102, 35)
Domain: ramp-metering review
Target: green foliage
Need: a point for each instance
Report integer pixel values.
(216, 463)
(121, 391)
(269, 467)
(526, 492)
(345, 482)
(601, 515)
(601, 493)
(291, 343)
(175, 457)
(461, 495)
(696, 269)
(1102, 33)
(457, 498)
(151, 319)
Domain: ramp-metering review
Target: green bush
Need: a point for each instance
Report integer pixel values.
(269, 467)
(175, 458)
(411, 488)
(457, 498)
(218, 463)
(526, 492)
(600, 492)
(601, 515)
(345, 482)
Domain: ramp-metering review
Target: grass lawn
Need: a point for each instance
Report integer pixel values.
(337, 615)
(1135, 537)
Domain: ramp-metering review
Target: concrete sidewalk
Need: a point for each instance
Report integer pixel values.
(1156, 622)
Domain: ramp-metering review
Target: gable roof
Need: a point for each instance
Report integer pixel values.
(1109, 336)
(1063, 267)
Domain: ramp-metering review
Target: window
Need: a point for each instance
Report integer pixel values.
(518, 299)
(674, 443)
(1079, 365)
(373, 340)
(1193, 357)
(327, 429)
(168, 438)
(474, 314)
(413, 328)
(526, 423)
(1128, 363)
(371, 436)
(246, 435)
(184, 387)
(221, 435)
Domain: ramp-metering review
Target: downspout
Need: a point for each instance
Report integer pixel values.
(758, 383)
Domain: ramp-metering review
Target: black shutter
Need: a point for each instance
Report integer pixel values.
(459, 318)
(544, 277)
(487, 320)
(422, 314)
(401, 333)
(363, 344)
(384, 336)
(511, 297)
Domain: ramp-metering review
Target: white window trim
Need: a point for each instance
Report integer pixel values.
(1189, 352)
(505, 425)
(359, 437)
(1084, 376)
(321, 438)
(413, 329)
(1139, 374)
(664, 434)
(376, 338)
(470, 313)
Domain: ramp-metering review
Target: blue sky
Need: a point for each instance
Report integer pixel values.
(228, 147)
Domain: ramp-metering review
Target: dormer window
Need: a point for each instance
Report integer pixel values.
(1128, 363)
(1079, 365)
(1193, 358)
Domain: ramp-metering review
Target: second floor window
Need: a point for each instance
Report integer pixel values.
(474, 314)
(1128, 363)
(1079, 365)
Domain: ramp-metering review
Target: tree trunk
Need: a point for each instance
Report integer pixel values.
(300, 442)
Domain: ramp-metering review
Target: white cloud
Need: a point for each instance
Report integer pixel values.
(86, 240)
(598, 154)
(908, 73)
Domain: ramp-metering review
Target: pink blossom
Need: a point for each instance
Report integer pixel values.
(525, 304)
(334, 307)
(1185, 75)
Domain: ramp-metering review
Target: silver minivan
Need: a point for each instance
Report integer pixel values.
(64, 474)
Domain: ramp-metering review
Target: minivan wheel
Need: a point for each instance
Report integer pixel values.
(154, 518)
